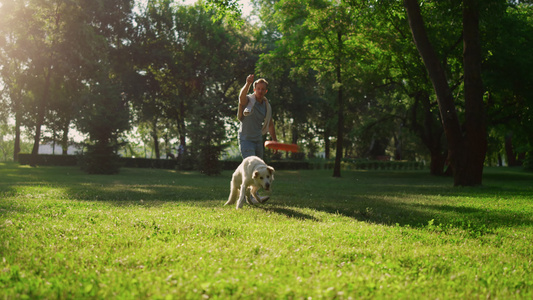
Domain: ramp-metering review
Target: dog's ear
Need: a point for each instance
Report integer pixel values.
(256, 174)
(271, 170)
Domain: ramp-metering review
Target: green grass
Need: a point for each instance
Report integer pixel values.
(166, 235)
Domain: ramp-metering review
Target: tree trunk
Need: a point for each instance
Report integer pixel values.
(398, 145)
(157, 152)
(41, 111)
(340, 134)
(182, 130)
(340, 115)
(64, 138)
(509, 152)
(430, 133)
(53, 142)
(465, 156)
(16, 147)
(475, 119)
(155, 138)
(327, 144)
(438, 161)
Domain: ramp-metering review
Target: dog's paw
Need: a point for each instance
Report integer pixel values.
(264, 199)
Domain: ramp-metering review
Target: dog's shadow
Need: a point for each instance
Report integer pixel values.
(289, 213)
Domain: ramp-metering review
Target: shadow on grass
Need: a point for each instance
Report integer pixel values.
(420, 215)
(289, 213)
(415, 199)
(388, 198)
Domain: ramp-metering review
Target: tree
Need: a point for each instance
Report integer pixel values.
(153, 85)
(212, 59)
(299, 112)
(401, 97)
(508, 78)
(34, 35)
(105, 107)
(12, 79)
(323, 36)
(186, 65)
(105, 117)
(466, 150)
(52, 49)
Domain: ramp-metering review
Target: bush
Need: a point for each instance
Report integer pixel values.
(100, 159)
(213, 167)
(134, 162)
(48, 159)
(528, 162)
(364, 164)
(230, 164)
(289, 165)
(276, 164)
(208, 159)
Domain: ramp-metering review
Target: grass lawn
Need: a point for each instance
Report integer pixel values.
(163, 234)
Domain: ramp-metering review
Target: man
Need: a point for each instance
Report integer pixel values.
(255, 114)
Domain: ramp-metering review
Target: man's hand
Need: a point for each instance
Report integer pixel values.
(250, 79)
(243, 100)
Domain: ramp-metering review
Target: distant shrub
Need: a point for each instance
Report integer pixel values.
(528, 162)
(289, 164)
(100, 158)
(139, 162)
(48, 159)
(208, 162)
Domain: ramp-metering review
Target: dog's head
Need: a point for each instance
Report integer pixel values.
(264, 176)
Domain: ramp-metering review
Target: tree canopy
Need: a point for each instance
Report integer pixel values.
(447, 82)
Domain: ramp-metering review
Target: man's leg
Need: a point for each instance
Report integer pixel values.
(247, 148)
(259, 150)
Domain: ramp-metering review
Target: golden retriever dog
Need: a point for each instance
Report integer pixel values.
(251, 175)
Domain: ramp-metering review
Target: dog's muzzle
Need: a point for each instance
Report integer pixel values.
(267, 186)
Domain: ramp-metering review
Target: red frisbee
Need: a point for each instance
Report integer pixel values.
(282, 146)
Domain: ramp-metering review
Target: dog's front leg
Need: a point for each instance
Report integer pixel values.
(242, 196)
(248, 197)
(255, 198)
